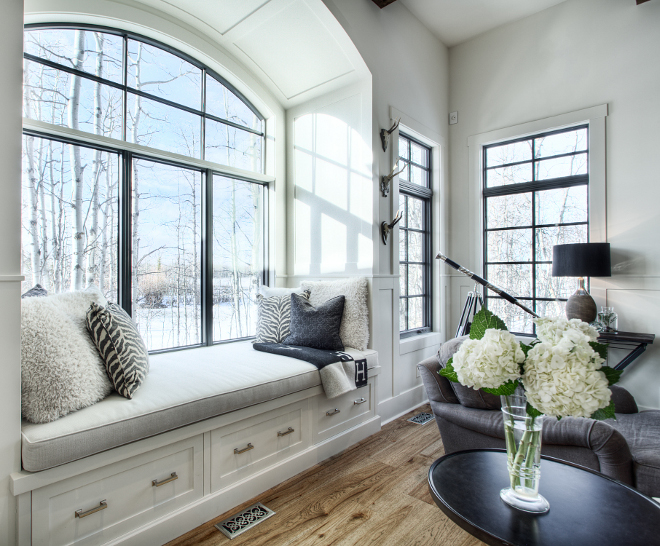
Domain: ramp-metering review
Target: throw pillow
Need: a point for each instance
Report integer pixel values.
(316, 327)
(355, 323)
(37, 291)
(120, 345)
(269, 292)
(467, 396)
(61, 370)
(274, 317)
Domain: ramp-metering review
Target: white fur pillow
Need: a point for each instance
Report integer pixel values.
(61, 370)
(354, 331)
(269, 292)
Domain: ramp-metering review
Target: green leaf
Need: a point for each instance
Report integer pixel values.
(525, 348)
(600, 348)
(449, 372)
(612, 375)
(503, 390)
(532, 411)
(484, 320)
(604, 413)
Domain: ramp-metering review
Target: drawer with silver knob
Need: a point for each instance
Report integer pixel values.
(238, 450)
(104, 504)
(339, 414)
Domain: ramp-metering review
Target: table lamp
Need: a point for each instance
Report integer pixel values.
(581, 260)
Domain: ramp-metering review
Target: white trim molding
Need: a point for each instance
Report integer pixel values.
(595, 118)
(12, 278)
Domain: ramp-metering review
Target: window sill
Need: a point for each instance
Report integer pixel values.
(417, 343)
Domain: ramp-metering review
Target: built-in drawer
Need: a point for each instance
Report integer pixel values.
(104, 504)
(238, 450)
(341, 413)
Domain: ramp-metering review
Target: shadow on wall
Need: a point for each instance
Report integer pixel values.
(333, 195)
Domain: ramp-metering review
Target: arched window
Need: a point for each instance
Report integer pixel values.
(142, 174)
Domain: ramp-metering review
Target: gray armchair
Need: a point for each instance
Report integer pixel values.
(626, 449)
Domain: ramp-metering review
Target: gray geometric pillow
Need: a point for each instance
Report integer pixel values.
(120, 345)
(37, 291)
(274, 318)
(316, 327)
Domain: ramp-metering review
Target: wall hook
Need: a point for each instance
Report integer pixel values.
(385, 134)
(385, 228)
(386, 180)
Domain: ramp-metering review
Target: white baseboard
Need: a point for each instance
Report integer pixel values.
(210, 507)
(395, 407)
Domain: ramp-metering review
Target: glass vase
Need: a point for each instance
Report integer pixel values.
(608, 320)
(523, 447)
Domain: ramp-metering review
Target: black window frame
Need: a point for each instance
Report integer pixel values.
(425, 194)
(126, 157)
(532, 187)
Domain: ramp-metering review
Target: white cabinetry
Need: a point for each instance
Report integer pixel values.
(154, 490)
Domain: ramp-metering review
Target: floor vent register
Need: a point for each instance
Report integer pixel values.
(422, 418)
(244, 521)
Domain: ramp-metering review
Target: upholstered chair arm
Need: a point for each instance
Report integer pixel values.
(607, 443)
(624, 402)
(437, 387)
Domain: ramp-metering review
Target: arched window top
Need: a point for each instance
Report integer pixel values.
(128, 87)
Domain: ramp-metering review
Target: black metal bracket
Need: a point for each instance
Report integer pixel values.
(628, 341)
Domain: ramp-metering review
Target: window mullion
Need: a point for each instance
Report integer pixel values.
(124, 214)
(207, 259)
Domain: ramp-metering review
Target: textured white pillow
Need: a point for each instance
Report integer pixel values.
(354, 331)
(269, 292)
(61, 370)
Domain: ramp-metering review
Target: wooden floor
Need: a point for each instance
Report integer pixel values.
(374, 493)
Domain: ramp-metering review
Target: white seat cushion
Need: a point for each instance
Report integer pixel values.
(182, 387)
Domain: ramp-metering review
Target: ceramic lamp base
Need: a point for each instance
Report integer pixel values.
(581, 305)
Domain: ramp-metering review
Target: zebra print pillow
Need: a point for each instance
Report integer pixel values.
(274, 318)
(120, 345)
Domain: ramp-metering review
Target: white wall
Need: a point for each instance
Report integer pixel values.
(578, 54)
(409, 69)
(11, 67)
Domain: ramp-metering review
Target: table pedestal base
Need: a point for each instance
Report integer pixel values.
(537, 505)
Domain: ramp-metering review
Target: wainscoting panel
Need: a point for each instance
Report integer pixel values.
(638, 311)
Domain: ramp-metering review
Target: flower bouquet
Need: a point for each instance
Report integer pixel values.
(560, 374)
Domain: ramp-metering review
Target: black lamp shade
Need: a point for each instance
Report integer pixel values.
(581, 260)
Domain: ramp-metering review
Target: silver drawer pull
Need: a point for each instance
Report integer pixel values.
(172, 477)
(102, 506)
(333, 412)
(247, 448)
(288, 431)
(359, 401)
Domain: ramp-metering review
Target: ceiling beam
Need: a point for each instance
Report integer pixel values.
(382, 3)
(641, 1)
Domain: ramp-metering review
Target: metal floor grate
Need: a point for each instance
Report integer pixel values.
(422, 418)
(245, 520)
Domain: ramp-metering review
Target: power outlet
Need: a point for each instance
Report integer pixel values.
(453, 118)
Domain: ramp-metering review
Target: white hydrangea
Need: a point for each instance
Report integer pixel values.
(562, 378)
(552, 329)
(489, 362)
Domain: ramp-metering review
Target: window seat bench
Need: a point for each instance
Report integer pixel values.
(228, 421)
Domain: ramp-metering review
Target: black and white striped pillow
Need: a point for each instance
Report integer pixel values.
(120, 345)
(274, 318)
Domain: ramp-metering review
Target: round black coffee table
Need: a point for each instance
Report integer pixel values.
(586, 508)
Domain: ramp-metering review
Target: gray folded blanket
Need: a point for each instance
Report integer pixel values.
(340, 372)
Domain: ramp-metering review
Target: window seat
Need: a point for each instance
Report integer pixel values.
(183, 387)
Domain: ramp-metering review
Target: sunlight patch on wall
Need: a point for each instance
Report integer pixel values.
(333, 245)
(332, 183)
(333, 191)
(303, 235)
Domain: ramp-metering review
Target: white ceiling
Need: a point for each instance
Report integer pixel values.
(296, 47)
(455, 21)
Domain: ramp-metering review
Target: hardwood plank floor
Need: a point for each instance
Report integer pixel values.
(374, 493)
